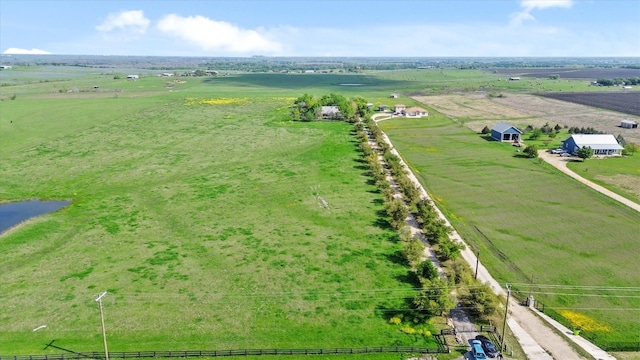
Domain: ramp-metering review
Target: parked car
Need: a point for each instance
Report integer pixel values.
(557, 151)
(477, 350)
(565, 154)
(488, 346)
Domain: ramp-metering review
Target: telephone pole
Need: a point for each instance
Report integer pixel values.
(506, 311)
(104, 333)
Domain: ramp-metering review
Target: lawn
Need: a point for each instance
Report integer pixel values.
(621, 175)
(201, 220)
(533, 225)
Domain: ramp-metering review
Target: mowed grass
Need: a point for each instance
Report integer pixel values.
(202, 222)
(531, 223)
(621, 175)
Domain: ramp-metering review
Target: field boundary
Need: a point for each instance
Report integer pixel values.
(441, 349)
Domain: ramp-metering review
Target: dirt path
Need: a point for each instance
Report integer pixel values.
(561, 164)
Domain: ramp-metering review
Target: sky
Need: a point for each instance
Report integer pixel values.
(333, 28)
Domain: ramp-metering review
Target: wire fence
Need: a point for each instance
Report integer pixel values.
(442, 348)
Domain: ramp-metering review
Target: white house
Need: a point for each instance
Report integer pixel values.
(415, 112)
(602, 145)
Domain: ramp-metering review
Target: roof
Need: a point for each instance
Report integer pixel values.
(415, 109)
(596, 141)
(628, 122)
(502, 127)
(329, 110)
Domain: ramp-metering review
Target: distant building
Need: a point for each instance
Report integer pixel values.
(399, 109)
(393, 96)
(628, 124)
(415, 112)
(5, 67)
(514, 78)
(383, 107)
(134, 77)
(505, 132)
(602, 145)
(330, 112)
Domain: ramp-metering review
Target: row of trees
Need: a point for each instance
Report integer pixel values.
(435, 296)
(618, 81)
(309, 108)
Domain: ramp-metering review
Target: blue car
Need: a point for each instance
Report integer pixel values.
(477, 351)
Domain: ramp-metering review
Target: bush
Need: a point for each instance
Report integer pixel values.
(427, 270)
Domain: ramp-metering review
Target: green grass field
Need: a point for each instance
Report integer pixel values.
(530, 222)
(202, 221)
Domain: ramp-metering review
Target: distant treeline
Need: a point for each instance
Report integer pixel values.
(618, 81)
(328, 64)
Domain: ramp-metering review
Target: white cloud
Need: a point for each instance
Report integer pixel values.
(18, 51)
(133, 21)
(218, 35)
(528, 6)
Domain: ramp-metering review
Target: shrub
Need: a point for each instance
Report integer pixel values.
(395, 320)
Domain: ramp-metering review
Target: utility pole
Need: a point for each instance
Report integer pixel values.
(104, 333)
(477, 263)
(506, 311)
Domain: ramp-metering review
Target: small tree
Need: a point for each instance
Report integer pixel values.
(585, 152)
(397, 210)
(486, 130)
(426, 270)
(531, 151)
(434, 298)
(413, 251)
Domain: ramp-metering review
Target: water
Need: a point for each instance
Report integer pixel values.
(12, 214)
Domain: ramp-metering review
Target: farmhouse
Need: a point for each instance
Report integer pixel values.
(415, 112)
(5, 67)
(383, 107)
(330, 112)
(514, 78)
(134, 77)
(505, 132)
(399, 109)
(602, 145)
(628, 124)
(393, 96)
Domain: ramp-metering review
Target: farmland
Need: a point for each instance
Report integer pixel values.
(195, 204)
(627, 103)
(575, 73)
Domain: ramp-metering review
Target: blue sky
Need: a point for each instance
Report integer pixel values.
(589, 28)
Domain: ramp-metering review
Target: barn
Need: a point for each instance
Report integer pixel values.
(505, 132)
(628, 124)
(602, 144)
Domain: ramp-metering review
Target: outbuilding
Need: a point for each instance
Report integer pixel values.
(505, 132)
(602, 144)
(628, 124)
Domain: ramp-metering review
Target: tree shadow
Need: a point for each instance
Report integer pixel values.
(409, 278)
(398, 258)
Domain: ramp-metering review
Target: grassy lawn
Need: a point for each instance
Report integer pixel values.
(530, 222)
(621, 175)
(201, 220)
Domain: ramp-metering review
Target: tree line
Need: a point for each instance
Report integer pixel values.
(310, 108)
(434, 297)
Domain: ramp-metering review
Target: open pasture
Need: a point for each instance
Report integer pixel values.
(201, 219)
(531, 224)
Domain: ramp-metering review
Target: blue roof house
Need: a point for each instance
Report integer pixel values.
(505, 132)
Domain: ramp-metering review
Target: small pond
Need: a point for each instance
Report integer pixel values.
(12, 214)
